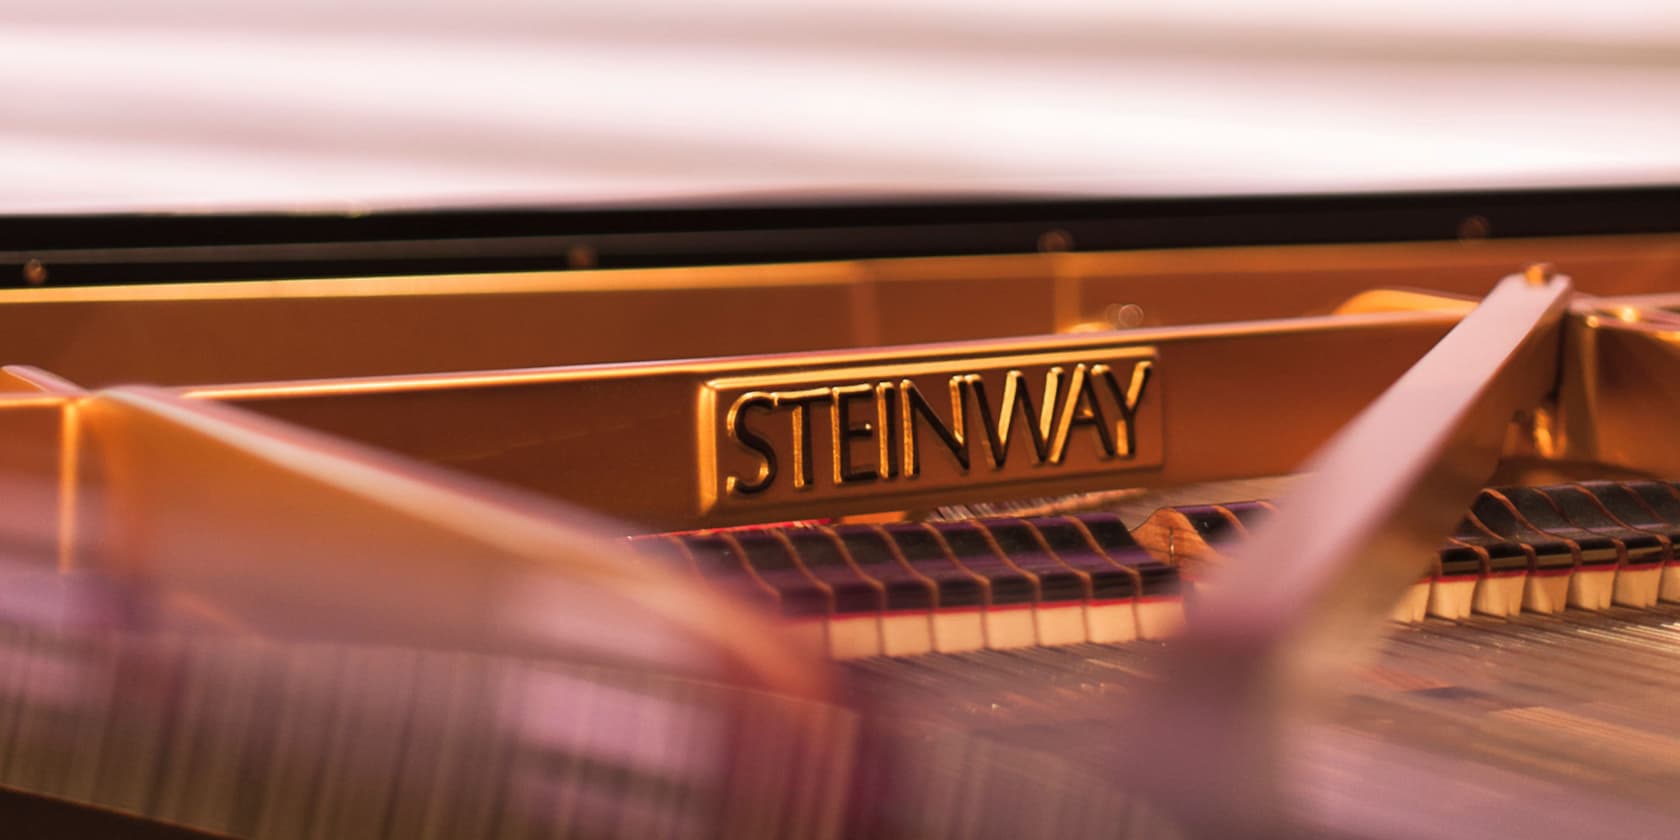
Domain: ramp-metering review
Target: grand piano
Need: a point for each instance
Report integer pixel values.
(726, 484)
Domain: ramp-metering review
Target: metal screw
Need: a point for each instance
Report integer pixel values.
(1473, 228)
(1055, 240)
(1123, 315)
(580, 256)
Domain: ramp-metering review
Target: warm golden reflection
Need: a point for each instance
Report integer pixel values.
(374, 553)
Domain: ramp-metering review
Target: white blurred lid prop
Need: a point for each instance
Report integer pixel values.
(197, 106)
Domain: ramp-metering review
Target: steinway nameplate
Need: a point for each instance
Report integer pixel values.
(912, 428)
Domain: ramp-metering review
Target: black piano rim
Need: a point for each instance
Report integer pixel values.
(160, 248)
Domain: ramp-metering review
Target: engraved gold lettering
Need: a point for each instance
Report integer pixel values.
(803, 403)
(1081, 408)
(876, 426)
(842, 433)
(1000, 427)
(1125, 431)
(885, 411)
(955, 437)
(736, 426)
